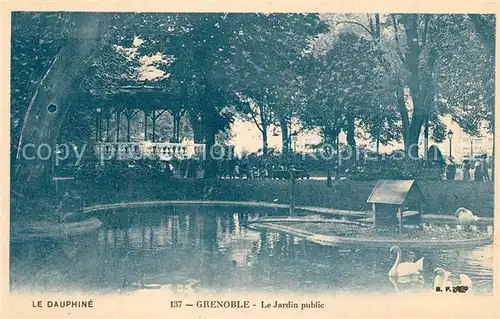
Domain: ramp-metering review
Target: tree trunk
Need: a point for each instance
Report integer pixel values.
(416, 126)
(210, 132)
(329, 167)
(412, 62)
(426, 138)
(196, 124)
(329, 175)
(265, 145)
(285, 142)
(403, 113)
(53, 96)
(351, 141)
(378, 143)
(337, 145)
(210, 163)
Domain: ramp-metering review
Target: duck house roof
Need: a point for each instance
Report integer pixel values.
(393, 192)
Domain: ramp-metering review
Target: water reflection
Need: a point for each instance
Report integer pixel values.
(173, 246)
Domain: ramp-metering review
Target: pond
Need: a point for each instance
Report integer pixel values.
(162, 245)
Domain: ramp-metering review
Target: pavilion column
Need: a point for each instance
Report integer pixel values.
(97, 126)
(178, 130)
(129, 115)
(118, 125)
(153, 118)
(108, 120)
(128, 128)
(145, 125)
(177, 125)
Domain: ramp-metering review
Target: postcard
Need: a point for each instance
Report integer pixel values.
(254, 160)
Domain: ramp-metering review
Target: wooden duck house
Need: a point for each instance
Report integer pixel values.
(392, 200)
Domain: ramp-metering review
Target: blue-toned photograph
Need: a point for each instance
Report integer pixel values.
(252, 152)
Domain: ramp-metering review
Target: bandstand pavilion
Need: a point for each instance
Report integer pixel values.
(150, 102)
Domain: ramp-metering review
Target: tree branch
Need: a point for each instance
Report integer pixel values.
(256, 122)
(400, 54)
(426, 30)
(358, 24)
(370, 23)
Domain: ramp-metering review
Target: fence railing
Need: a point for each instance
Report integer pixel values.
(139, 150)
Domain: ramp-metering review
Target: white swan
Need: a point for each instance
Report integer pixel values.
(188, 288)
(403, 269)
(466, 216)
(465, 281)
(443, 279)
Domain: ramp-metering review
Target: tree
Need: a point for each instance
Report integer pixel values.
(268, 62)
(260, 113)
(347, 87)
(422, 53)
(54, 93)
(196, 49)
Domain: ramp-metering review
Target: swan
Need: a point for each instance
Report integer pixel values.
(465, 281)
(465, 216)
(188, 288)
(443, 279)
(402, 269)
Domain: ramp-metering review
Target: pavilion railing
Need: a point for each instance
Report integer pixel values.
(140, 150)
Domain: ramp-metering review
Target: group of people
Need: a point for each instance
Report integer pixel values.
(479, 165)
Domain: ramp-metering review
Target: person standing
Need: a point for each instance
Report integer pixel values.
(478, 173)
(466, 170)
(451, 170)
(484, 168)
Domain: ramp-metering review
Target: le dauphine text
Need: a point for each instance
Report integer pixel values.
(247, 304)
(63, 304)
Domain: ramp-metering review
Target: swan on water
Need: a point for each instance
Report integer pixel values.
(466, 216)
(402, 269)
(188, 288)
(443, 279)
(253, 218)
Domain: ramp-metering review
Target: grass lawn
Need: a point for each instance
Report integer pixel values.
(343, 230)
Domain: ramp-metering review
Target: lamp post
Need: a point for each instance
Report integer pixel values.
(450, 137)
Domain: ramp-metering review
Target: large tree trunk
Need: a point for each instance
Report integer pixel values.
(426, 138)
(210, 163)
(403, 113)
(351, 141)
(197, 126)
(285, 142)
(412, 61)
(52, 99)
(417, 120)
(265, 145)
(209, 133)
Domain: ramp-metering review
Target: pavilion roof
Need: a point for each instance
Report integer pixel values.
(143, 97)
